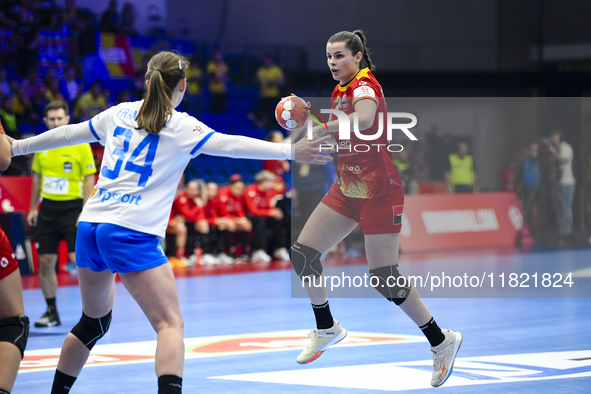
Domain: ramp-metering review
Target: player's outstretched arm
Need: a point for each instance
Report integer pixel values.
(240, 147)
(68, 135)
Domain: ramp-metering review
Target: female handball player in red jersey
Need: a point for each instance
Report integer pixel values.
(368, 191)
(147, 147)
(14, 325)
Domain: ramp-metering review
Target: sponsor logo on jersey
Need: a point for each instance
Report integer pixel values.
(67, 167)
(105, 195)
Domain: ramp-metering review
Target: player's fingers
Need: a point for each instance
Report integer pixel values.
(322, 139)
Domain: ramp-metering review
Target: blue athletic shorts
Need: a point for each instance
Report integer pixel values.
(101, 246)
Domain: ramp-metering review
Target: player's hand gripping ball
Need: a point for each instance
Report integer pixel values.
(292, 113)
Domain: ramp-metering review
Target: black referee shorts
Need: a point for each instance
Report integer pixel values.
(57, 221)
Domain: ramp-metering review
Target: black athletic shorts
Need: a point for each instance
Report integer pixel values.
(57, 221)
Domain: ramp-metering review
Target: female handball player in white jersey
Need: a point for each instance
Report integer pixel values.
(147, 146)
(368, 191)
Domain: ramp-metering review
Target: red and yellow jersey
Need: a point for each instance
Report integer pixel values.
(360, 174)
(230, 205)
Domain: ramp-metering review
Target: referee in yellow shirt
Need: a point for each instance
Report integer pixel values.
(64, 177)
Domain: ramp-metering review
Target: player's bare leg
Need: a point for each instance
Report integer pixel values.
(11, 294)
(155, 292)
(97, 292)
(382, 258)
(324, 229)
(382, 251)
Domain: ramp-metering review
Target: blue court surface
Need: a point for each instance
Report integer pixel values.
(243, 333)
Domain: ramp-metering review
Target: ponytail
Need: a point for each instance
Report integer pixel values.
(366, 60)
(355, 42)
(165, 71)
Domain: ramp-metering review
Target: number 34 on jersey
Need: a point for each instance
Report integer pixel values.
(150, 142)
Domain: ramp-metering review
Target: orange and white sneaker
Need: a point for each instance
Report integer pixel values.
(444, 356)
(320, 340)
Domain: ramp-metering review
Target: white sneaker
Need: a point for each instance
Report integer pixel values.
(262, 256)
(320, 340)
(444, 356)
(209, 259)
(225, 259)
(281, 254)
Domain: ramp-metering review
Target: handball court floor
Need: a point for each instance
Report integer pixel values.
(243, 331)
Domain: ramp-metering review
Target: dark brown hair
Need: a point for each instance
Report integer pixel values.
(165, 70)
(355, 42)
(55, 105)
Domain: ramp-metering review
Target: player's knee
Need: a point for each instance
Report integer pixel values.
(202, 226)
(16, 331)
(305, 260)
(46, 263)
(390, 283)
(89, 330)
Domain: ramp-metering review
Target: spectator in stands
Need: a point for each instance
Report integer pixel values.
(230, 204)
(128, 19)
(530, 182)
(82, 24)
(26, 32)
(70, 88)
(8, 117)
(23, 107)
(277, 167)
(139, 85)
(220, 236)
(123, 97)
(4, 84)
(264, 216)
(31, 83)
(509, 176)
(90, 103)
(39, 101)
(53, 90)
(52, 44)
(191, 101)
(218, 75)
(176, 226)
(563, 154)
(406, 170)
(110, 19)
(191, 206)
(270, 79)
(9, 13)
(460, 175)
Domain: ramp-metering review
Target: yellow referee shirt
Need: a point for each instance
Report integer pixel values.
(63, 171)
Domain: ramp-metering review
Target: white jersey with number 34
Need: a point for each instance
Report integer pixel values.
(140, 170)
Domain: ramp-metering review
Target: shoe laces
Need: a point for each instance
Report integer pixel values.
(313, 335)
(436, 364)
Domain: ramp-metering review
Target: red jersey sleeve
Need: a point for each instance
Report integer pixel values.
(252, 200)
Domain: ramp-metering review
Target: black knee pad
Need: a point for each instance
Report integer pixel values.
(390, 283)
(305, 260)
(16, 331)
(90, 330)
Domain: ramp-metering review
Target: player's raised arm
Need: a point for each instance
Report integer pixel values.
(249, 148)
(67, 135)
